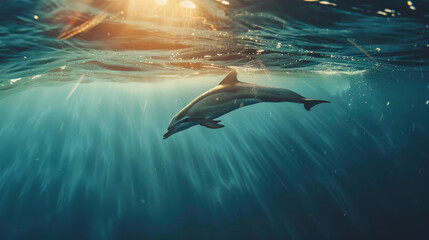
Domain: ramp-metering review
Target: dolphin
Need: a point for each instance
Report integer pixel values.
(229, 95)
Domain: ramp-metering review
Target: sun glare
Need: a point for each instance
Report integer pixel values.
(188, 4)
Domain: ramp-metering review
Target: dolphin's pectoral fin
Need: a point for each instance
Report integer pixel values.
(210, 123)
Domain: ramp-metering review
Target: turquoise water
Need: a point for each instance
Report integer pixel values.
(82, 119)
(94, 165)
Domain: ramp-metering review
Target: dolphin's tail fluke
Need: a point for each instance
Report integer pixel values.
(309, 103)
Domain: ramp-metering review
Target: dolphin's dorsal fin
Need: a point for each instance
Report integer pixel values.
(231, 78)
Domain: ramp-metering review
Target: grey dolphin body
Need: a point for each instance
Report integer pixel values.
(229, 95)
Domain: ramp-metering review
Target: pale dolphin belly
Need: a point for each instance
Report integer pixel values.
(231, 106)
(221, 103)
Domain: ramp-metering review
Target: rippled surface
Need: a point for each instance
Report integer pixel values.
(87, 89)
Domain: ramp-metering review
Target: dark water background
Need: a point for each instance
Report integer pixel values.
(87, 89)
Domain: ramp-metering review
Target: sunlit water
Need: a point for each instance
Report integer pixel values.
(82, 114)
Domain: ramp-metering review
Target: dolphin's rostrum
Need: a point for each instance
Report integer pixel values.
(229, 95)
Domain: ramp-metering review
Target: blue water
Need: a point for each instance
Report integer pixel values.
(82, 119)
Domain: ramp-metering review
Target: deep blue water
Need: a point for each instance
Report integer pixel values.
(87, 89)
